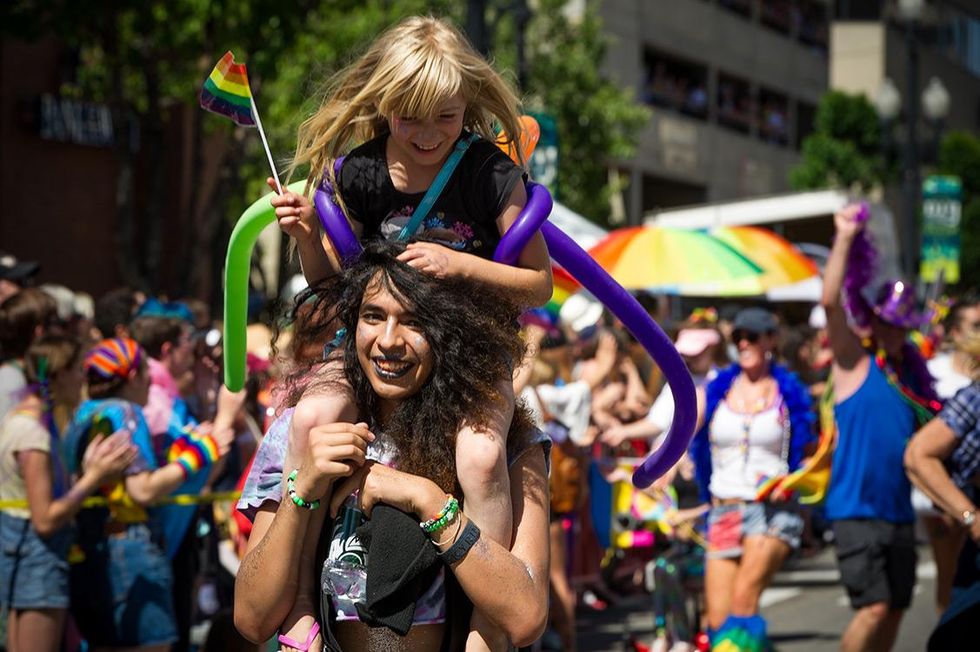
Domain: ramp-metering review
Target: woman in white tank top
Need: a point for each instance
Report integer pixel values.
(757, 420)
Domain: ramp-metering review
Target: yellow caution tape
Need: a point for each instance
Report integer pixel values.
(176, 499)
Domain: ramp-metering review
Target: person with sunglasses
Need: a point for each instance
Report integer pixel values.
(757, 423)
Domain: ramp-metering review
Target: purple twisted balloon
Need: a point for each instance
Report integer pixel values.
(596, 280)
(621, 303)
(333, 220)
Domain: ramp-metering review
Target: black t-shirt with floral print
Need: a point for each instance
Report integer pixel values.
(464, 217)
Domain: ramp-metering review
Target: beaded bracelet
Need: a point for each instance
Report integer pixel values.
(443, 518)
(291, 490)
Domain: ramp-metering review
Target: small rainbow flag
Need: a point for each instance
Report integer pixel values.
(226, 92)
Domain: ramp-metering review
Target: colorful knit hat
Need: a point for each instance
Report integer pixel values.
(895, 304)
(114, 357)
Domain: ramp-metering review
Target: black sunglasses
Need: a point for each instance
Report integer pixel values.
(738, 336)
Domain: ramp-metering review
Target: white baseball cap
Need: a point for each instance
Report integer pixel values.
(580, 311)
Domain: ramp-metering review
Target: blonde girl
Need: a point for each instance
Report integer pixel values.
(419, 92)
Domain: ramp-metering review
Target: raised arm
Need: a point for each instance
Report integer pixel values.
(843, 341)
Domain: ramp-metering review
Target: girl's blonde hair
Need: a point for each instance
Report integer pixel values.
(408, 71)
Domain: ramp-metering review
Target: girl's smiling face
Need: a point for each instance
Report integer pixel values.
(391, 347)
(427, 142)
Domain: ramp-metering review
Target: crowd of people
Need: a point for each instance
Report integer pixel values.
(422, 459)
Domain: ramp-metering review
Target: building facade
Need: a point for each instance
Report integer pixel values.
(733, 86)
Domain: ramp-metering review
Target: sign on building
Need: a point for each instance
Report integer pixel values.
(941, 211)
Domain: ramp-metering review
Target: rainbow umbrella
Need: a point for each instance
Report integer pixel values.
(563, 287)
(781, 262)
(672, 261)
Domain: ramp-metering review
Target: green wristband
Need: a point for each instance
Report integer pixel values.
(297, 500)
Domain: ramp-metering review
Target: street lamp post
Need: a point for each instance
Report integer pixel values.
(911, 174)
(935, 105)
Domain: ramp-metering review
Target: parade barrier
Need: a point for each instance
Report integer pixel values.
(176, 499)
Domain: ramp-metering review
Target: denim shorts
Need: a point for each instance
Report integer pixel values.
(728, 525)
(121, 593)
(33, 571)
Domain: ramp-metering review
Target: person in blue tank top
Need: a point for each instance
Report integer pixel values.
(880, 396)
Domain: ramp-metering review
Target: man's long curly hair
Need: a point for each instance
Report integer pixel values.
(474, 336)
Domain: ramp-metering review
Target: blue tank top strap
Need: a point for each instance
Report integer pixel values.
(436, 188)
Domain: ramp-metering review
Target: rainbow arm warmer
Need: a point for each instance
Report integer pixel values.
(193, 451)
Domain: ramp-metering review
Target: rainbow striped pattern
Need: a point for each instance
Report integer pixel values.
(114, 357)
(741, 634)
(811, 481)
(193, 451)
(226, 91)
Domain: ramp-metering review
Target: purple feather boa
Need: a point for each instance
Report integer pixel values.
(862, 264)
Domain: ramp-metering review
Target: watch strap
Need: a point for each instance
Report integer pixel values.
(467, 539)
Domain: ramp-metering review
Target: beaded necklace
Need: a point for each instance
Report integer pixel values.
(923, 408)
(748, 414)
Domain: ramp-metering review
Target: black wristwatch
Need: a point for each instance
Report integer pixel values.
(467, 539)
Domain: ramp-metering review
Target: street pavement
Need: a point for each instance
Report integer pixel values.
(806, 609)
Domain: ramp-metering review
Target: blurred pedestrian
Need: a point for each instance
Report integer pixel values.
(951, 367)
(170, 358)
(943, 459)
(35, 538)
(24, 317)
(121, 586)
(879, 397)
(757, 423)
(15, 274)
(114, 311)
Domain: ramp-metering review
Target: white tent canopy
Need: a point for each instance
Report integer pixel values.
(585, 233)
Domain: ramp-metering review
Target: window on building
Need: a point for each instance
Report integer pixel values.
(677, 84)
(734, 102)
(859, 9)
(660, 193)
(779, 15)
(773, 117)
(806, 114)
(959, 37)
(743, 7)
(813, 24)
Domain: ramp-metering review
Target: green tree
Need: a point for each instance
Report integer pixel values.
(844, 150)
(959, 154)
(598, 121)
(147, 61)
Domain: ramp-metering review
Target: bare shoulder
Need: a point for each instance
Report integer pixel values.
(848, 380)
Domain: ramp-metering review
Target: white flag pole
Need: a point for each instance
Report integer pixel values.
(265, 143)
